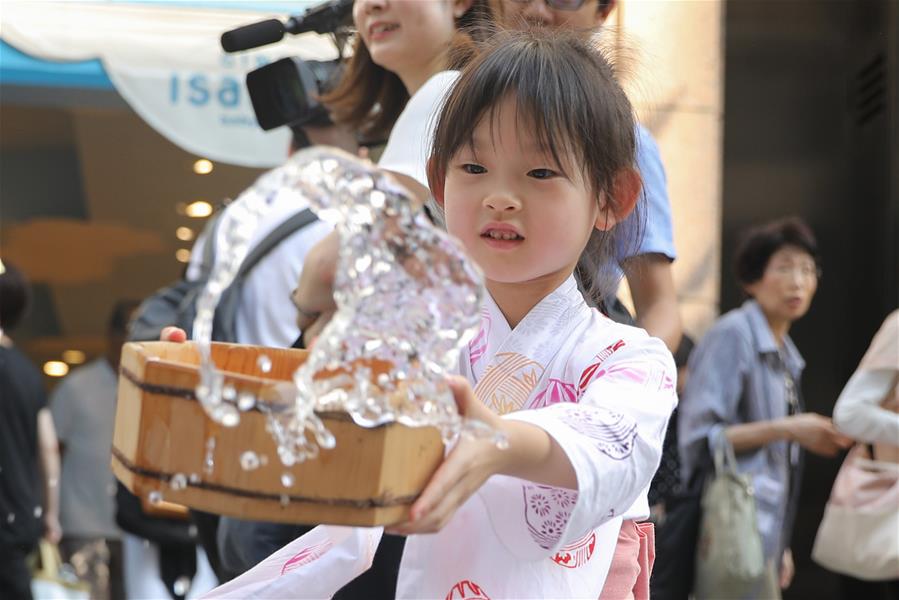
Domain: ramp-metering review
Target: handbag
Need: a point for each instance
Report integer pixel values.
(859, 534)
(51, 581)
(730, 562)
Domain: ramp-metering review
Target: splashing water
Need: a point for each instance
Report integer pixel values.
(178, 481)
(249, 461)
(408, 300)
(233, 233)
(209, 459)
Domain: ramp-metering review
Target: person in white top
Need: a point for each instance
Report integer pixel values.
(402, 68)
(868, 407)
(265, 314)
(868, 412)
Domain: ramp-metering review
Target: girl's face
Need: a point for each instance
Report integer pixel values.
(518, 216)
(787, 286)
(408, 37)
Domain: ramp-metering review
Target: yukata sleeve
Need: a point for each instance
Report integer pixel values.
(613, 437)
(710, 403)
(860, 411)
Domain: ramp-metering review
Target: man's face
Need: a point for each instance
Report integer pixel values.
(513, 13)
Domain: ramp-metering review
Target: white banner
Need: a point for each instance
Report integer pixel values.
(167, 63)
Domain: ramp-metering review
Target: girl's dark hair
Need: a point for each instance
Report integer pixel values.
(15, 296)
(758, 244)
(368, 98)
(566, 92)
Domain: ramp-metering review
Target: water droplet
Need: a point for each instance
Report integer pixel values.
(194, 478)
(227, 415)
(288, 458)
(209, 460)
(249, 461)
(287, 480)
(38, 511)
(246, 401)
(192, 531)
(11, 517)
(264, 363)
(263, 459)
(154, 497)
(229, 392)
(285, 500)
(178, 481)
(181, 586)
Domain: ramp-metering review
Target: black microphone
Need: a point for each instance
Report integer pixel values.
(253, 36)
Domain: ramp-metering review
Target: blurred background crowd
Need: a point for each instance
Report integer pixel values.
(124, 127)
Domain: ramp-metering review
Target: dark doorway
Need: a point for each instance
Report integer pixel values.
(810, 130)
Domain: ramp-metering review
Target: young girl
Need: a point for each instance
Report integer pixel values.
(541, 179)
(533, 165)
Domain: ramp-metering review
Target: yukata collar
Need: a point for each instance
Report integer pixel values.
(567, 292)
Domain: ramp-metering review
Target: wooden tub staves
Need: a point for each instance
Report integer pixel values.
(162, 433)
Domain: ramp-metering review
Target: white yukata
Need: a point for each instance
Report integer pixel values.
(604, 391)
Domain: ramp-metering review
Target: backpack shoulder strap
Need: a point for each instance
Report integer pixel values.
(211, 231)
(280, 233)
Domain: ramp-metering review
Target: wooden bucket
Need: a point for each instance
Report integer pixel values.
(371, 477)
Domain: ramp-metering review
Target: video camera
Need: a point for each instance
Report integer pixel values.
(286, 92)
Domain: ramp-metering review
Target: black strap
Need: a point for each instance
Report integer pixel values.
(280, 233)
(211, 232)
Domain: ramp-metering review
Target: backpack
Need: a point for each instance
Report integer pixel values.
(176, 304)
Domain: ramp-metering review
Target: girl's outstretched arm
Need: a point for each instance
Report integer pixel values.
(532, 454)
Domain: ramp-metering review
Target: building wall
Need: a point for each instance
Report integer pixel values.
(676, 59)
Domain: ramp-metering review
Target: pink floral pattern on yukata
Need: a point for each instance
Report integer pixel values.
(546, 512)
(556, 391)
(613, 433)
(306, 556)
(467, 590)
(590, 373)
(577, 553)
(478, 346)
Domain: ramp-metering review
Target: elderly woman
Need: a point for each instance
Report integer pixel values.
(744, 388)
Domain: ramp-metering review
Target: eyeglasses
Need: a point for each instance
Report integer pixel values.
(558, 4)
(806, 271)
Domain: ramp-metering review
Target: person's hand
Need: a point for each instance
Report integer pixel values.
(461, 474)
(172, 334)
(816, 434)
(314, 295)
(787, 569)
(52, 528)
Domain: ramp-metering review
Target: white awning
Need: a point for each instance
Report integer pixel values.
(166, 62)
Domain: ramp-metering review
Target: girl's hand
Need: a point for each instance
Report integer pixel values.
(461, 474)
(172, 334)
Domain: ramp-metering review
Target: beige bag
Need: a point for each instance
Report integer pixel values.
(859, 534)
(730, 562)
